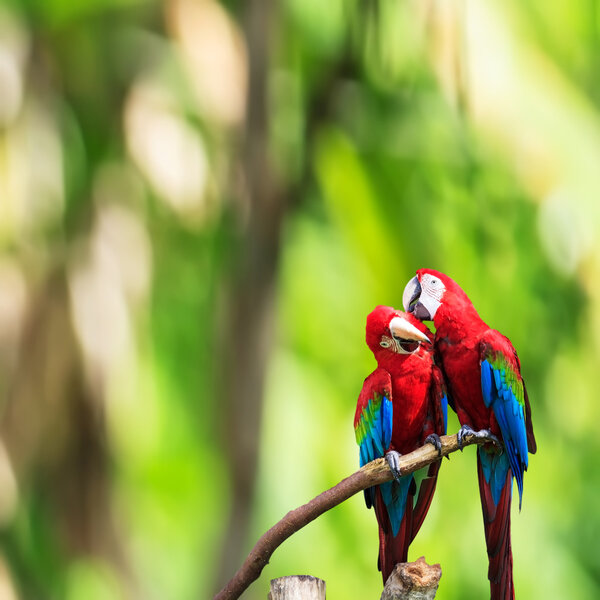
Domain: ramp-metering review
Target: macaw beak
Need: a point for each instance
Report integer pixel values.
(401, 329)
(411, 300)
(411, 294)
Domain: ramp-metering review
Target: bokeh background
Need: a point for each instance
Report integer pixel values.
(200, 202)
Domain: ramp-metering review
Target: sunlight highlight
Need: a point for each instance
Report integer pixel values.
(167, 149)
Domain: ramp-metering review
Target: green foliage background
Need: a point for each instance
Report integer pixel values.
(460, 135)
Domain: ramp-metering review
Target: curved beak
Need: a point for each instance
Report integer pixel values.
(411, 300)
(411, 294)
(403, 330)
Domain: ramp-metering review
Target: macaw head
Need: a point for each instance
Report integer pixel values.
(429, 291)
(391, 332)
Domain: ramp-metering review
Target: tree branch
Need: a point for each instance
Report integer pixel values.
(374, 473)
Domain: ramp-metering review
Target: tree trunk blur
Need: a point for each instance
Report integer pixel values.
(54, 431)
(250, 314)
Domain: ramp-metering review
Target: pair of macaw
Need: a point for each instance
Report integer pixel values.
(403, 404)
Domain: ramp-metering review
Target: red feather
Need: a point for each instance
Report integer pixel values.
(392, 550)
(496, 522)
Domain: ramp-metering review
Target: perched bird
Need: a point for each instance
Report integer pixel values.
(485, 388)
(402, 405)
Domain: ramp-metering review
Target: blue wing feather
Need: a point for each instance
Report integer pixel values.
(444, 403)
(374, 430)
(364, 459)
(388, 413)
(377, 429)
(374, 434)
(499, 394)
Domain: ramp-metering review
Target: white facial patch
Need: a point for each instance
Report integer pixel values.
(432, 292)
(399, 346)
(434, 286)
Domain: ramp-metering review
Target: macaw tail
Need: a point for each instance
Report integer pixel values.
(426, 491)
(394, 511)
(495, 490)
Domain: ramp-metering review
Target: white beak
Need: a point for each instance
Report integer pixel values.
(402, 329)
(411, 292)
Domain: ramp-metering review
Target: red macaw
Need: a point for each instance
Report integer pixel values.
(483, 376)
(402, 405)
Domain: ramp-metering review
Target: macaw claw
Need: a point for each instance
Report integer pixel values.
(434, 440)
(482, 434)
(462, 432)
(393, 460)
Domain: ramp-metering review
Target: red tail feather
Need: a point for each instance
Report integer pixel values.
(426, 491)
(392, 550)
(496, 521)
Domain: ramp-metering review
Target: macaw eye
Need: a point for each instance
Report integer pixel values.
(384, 343)
(434, 282)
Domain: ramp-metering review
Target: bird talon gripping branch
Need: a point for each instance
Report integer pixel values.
(488, 436)
(393, 460)
(464, 432)
(435, 441)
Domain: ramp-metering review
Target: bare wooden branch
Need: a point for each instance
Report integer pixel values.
(374, 473)
(412, 581)
(297, 587)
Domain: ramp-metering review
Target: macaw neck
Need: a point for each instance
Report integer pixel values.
(395, 363)
(454, 322)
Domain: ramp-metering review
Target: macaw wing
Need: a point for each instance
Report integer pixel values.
(373, 428)
(373, 418)
(439, 371)
(531, 443)
(439, 398)
(504, 392)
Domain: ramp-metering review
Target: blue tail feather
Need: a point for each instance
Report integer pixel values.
(394, 496)
(495, 466)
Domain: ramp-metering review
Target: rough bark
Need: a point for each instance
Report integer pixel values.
(297, 587)
(412, 581)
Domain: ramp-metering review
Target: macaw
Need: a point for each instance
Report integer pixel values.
(483, 376)
(401, 406)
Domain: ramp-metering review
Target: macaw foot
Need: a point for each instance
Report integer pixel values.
(434, 440)
(393, 460)
(462, 432)
(482, 434)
